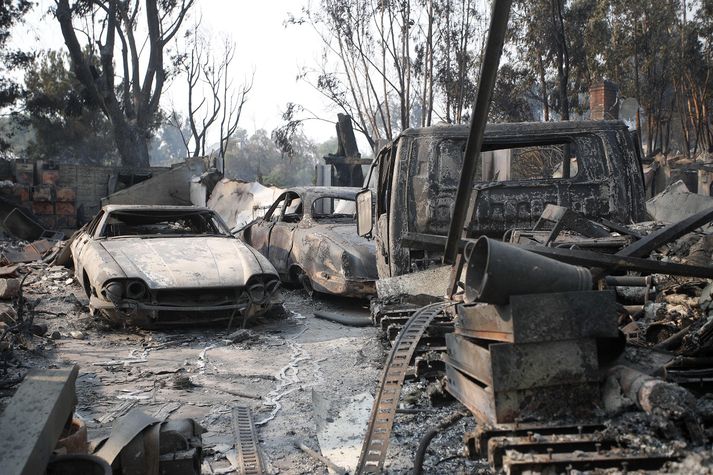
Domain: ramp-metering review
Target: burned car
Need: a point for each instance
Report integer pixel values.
(161, 265)
(309, 235)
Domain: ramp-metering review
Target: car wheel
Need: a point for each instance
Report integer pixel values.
(303, 280)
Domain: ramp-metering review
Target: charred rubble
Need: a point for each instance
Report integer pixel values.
(582, 342)
(605, 368)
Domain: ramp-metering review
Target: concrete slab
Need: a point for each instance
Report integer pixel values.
(33, 420)
(676, 202)
(432, 282)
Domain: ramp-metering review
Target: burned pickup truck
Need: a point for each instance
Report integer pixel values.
(159, 265)
(593, 167)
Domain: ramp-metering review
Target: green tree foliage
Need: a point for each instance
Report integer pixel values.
(658, 52)
(67, 124)
(401, 63)
(257, 158)
(117, 50)
(11, 13)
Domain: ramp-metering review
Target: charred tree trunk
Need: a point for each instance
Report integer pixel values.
(131, 105)
(543, 83)
(562, 59)
(132, 145)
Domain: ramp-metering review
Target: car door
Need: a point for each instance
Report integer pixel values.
(258, 234)
(282, 233)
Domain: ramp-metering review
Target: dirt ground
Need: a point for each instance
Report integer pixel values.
(277, 368)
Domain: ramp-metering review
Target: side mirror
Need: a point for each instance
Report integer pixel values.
(364, 212)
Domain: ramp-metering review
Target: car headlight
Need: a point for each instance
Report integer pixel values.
(114, 291)
(136, 290)
(261, 288)
(257, 293)
(133, 289)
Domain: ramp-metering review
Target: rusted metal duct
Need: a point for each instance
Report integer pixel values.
(497, 270)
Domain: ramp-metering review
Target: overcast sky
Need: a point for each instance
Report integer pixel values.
(264, 45)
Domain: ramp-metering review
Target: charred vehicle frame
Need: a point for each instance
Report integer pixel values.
(311, 241)
(160, 265)
(522, 169)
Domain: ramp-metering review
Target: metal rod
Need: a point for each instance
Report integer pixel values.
(488, 75)
(629, 280)
(612, 262)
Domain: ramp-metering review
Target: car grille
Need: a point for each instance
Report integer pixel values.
(200, 297)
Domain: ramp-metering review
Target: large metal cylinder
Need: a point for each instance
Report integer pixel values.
(497, 270)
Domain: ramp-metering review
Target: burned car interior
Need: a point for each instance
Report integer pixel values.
(324, 209)
(177, 223)
(331, 209)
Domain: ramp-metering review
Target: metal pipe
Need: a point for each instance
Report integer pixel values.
(481, 107)
(629, 280)
(426, 440)
(497, 270)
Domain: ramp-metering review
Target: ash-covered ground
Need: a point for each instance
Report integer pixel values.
(278, 367)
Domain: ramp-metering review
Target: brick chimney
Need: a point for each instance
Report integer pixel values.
(602, 101)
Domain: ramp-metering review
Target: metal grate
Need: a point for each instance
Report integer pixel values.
(246, 443)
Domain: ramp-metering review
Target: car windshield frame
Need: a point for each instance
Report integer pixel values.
(212, 219)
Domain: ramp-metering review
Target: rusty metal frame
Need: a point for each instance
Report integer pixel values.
(383, 412)
(246, 443)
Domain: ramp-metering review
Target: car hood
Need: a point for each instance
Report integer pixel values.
(184, 262)
(346, 236)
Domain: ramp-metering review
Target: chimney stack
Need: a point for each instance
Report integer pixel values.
(603, 104)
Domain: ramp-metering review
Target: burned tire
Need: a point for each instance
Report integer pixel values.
(301, 278)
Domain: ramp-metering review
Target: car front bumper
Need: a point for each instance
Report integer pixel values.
(149, 315)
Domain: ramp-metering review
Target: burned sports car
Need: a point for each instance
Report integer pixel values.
(158, 265)
(309, 235)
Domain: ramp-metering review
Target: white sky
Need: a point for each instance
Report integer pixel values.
(275, 52)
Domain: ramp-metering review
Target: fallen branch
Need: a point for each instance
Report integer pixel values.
(231, 391)
(336, 468)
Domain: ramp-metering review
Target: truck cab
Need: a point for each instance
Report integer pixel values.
(593, 167)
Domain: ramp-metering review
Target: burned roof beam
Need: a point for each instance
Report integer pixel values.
(615, 262)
